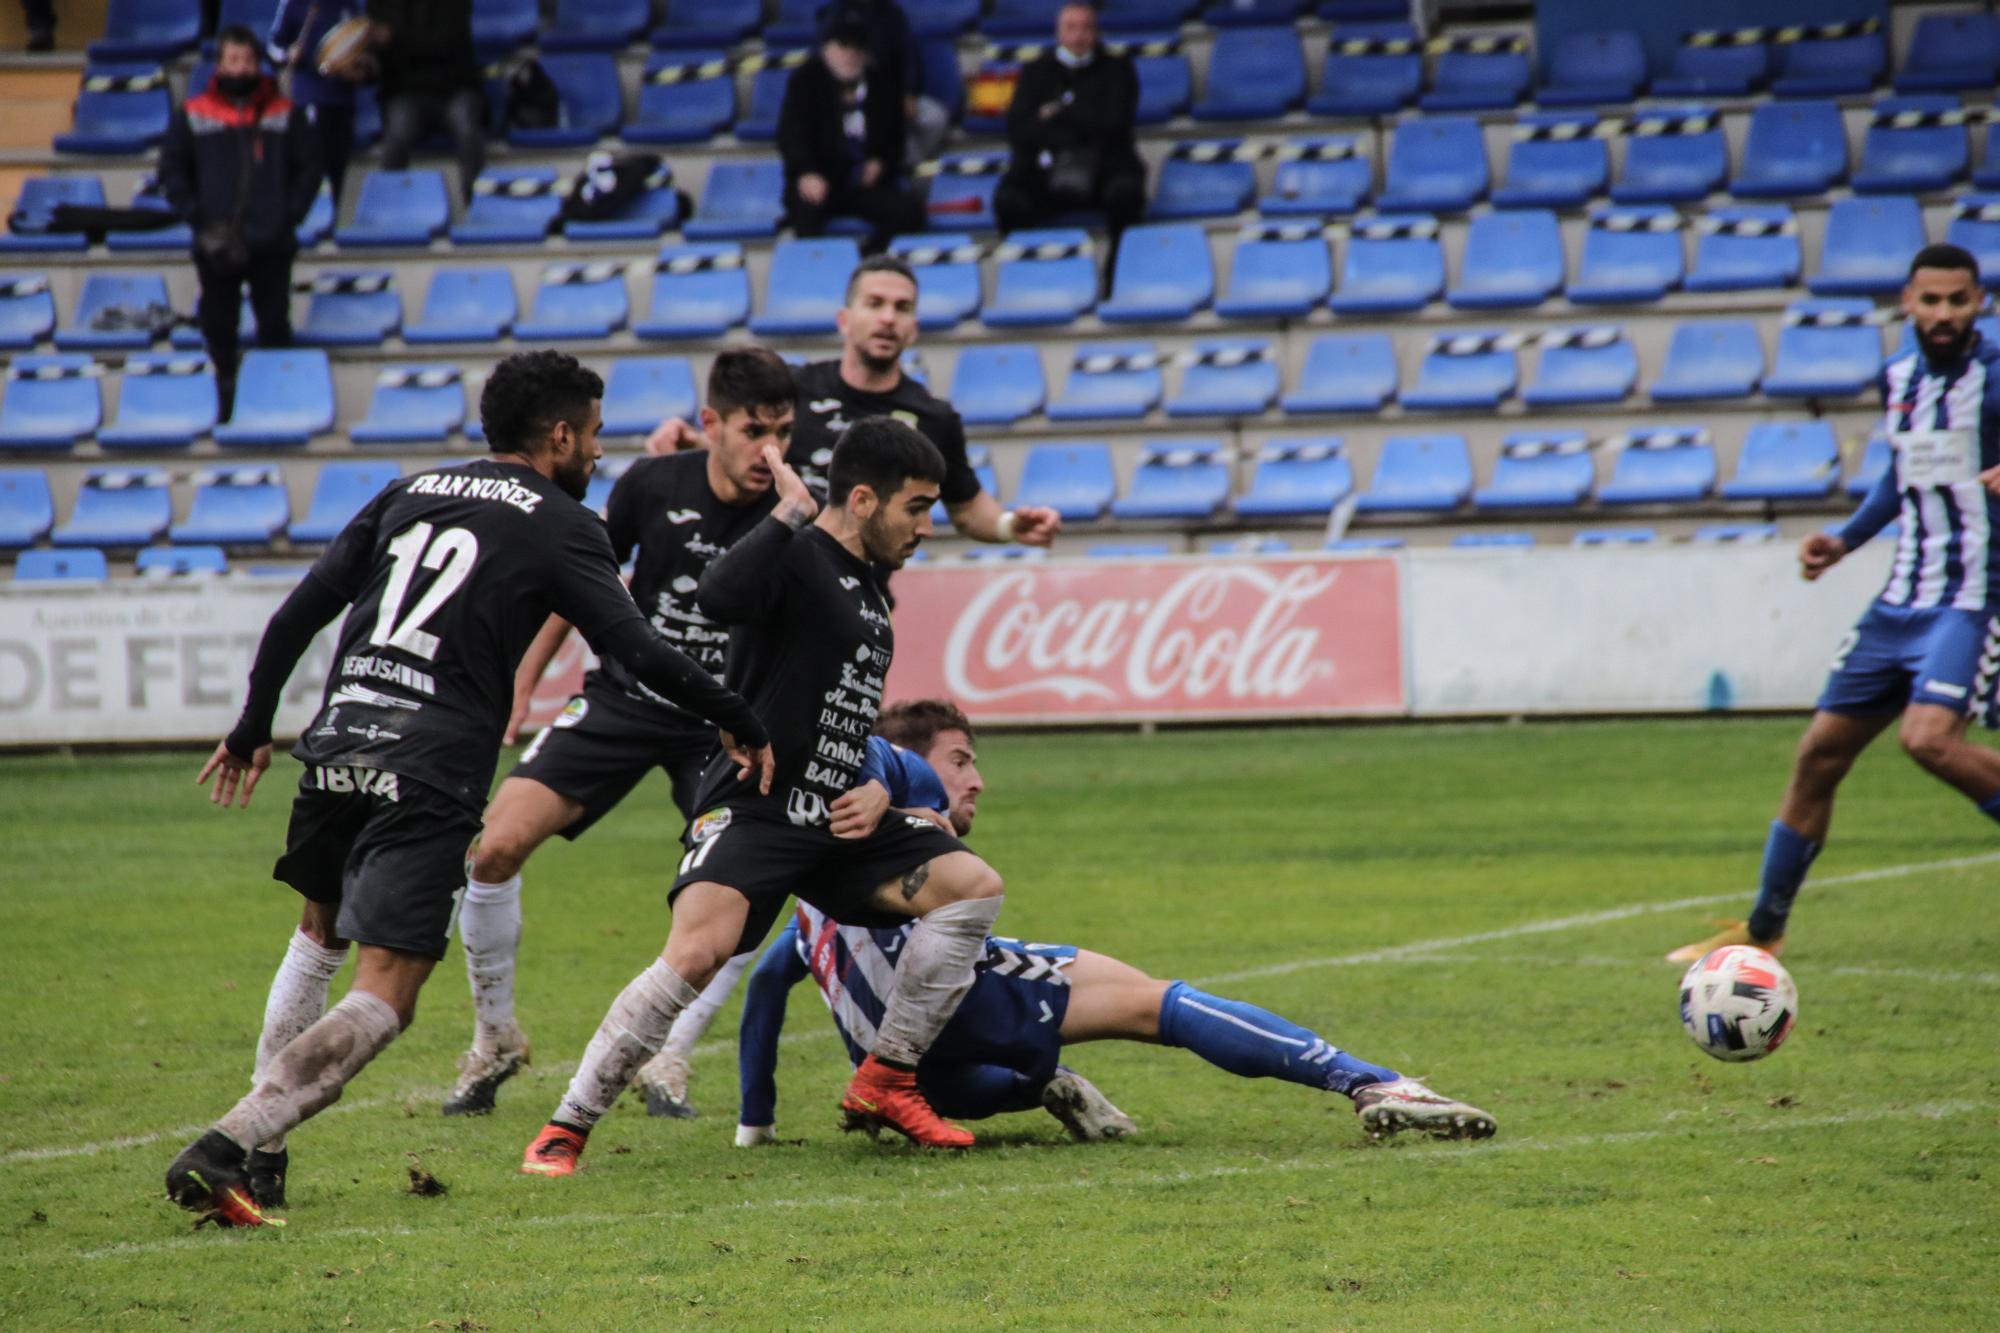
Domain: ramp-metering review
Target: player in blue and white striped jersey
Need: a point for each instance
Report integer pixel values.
(1926, 653)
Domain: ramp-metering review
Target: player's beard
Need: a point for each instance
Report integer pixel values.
(876, 365)
(1940, 353)
(574, 480)
(882, 545)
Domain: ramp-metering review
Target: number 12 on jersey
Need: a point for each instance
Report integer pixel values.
(452, 554)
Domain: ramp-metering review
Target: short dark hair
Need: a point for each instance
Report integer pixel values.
(755, 378)
(915, 723)
(880, 453)
(878, 264)
(848, 30)
(529, 392)
(238, 35)
(1946, 257)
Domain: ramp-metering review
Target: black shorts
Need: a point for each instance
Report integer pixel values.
(603, 745)
(389, 851)
(768, 859)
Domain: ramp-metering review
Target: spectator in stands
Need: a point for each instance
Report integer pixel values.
(41, 16)
(328, 100)
(238, 164)
(430, 78)
(840, 133)
(1070, 131)
(891, 46)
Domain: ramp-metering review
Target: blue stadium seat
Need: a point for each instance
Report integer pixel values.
(642, 391)
(106, 296)
(996, 384)
(1471, 370)
(1555, 161)
(1166, 83)
(1674, 155)
(807, 284)
(1128, 550)
(961, 190)
(27, 311)
(85, 565)
(592, 103)
(1907, 150)
(1952, 53)
(948, 283)
(596, 25)
(686, 97)
(341, 488)
(1419, 473)
(1372, 69)
(146, 30)
(1109, 381)
(165, 402)
(1021, 18)
(1705, 68)
(1975, 225)
(1177, 479)
(179, 562)
(255, 15)
(1204, 180)
(1512, 258)
(284, 396)
(503, 25)
(1830, 67)
(1436, 165)
(1582, 366)
(1793, 149)
(1377, 542)
(1717, 358)
(1075, 480)
(1227, 377)
(1828, 348)
(1593, 68)
(398, 208)
(699, 291)
(938, 18)
(27, 225)
(1478, 73)
(243, 506)
(1661, 465)
(1630, 256)
(1867, 246)
(1549, 469)
(654, 209)
(1163, 273)
(1744, 247)
(1492, 540)
(1251, 13)
(1986, 175)
(1277, 272)
(27, 508)
(318, 224)
(1344, 372)
(1736, 533)
(118, 507)
(465, 305)
(1393, 263)
(1297, 479)
(49, 402)
(1318, 175)
(741, 200)
(1614, 537)
(576, 301)
(1145, 16)
(1255, 73)
(412, 404)
(759, 121)
(120, 109)
(1786, 460)
(510, 206)
(351, 309)
(984, 554)
(1876, 458)
(1042, 278)
(708, 22)
(1249, 546)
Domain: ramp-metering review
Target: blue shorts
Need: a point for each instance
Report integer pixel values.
(1894, 657)
(1013, 1015)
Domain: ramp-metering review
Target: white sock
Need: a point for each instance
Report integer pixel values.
(307, 1076)
(694, 1020)
(489, 926)
(933, 976)
(296, 1002)
(632, 1031)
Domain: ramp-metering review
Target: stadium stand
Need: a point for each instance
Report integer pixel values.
(1075, 480)
(807, 282)
(50, 401)
(1371, 69)
(118, 507)
(179, 562)
(1912, 144)
(1594, 68)
(1827, 348)
(1204, 180)
(742, 200)
(462, 304)
(1785, 460)
(1467, 371)
(1866, 248)
(284, 397)
(350, 308)
(1254, 73)
(948, 281)
(1184, 480)
(1952, 52)
(1793, 149)
(1041, 278)
(1539, 470)
(1630, 256)
(1277, 272)
(1554, 161)
(1162, 273)
(1344, 372)
(1318, 175)
(1661, 465)
(1707, 68)
(510, 206)
(592, 101)
(1675, 155)
(1234, 377)
(85, 564)
(1719, 358)
(1480, 72)
(1393, 263)
(27, 310)
(164, 402)
(690, 97)
(1581, 366)
(404, 208)
(412, 404)
(1744, 247)
(1297, 479)
(339, 491)
(576, 302)
(1513, 257)
(1436, 165)
(1419, 473)
(240, 506)
(27, 508)
(1108, 382)
(707, 22)
(146, 30)
(997, 384)
(1615, 537)
(1830, 66)
(699, 291)
(110, 313)
(121, 109)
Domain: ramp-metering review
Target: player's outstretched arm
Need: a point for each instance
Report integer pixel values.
(673, 436)
(858, 810)
(548, 642)
(982, 519)
(743, 583)
(672, 674)
(230, 771)
(246, 752)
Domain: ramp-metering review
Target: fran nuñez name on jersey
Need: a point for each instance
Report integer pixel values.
(463, 484)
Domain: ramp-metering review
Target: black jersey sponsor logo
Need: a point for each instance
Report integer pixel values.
(357, 694)
(678, 516)
(347, 778)
(805, 808)
(850, 583)
(823, 405)
(362, 666)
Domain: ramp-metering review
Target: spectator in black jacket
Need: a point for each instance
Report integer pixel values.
(1070, 133)
(430, 77)
(240, 166)
(840, 133)
(894, 47)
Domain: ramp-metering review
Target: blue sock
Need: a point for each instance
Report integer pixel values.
(1256, 1043)
(974, 1092)
(1787, 857)
(1990, 807)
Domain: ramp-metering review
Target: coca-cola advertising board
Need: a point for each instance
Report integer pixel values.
(1169, 639)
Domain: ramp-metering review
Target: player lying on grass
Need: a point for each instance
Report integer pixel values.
(1000, 1051)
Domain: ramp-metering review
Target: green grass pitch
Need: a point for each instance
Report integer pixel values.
(1482, 905)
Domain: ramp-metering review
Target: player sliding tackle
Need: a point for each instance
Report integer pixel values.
(810, 648)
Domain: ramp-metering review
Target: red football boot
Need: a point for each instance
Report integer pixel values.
(554, 1152)
(884, 1097)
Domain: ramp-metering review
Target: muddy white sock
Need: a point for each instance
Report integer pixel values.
(934, 975)
(489, 926)
(631, 1033)
(694, 1020)
(296, 1002)
(307, 1076)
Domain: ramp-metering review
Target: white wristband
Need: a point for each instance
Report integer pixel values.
(1004, 529)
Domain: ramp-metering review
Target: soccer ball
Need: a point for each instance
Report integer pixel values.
(1738, 1003)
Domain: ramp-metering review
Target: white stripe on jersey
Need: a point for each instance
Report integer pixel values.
(853, 998)
(1935, 525)
(1975, 535)
(1903, 569)
(1928, 545)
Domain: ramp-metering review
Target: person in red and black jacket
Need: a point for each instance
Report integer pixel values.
(241, 166)
(840, 133)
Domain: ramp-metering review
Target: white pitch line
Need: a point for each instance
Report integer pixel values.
(1932, 975)
(1466, 1155)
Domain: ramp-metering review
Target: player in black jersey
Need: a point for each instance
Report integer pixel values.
(878, 323)
(678, 512)
(810, 645)
(449, 573)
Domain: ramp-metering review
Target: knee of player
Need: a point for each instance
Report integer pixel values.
(984, 883)
(500, 851)
(1927, 742)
